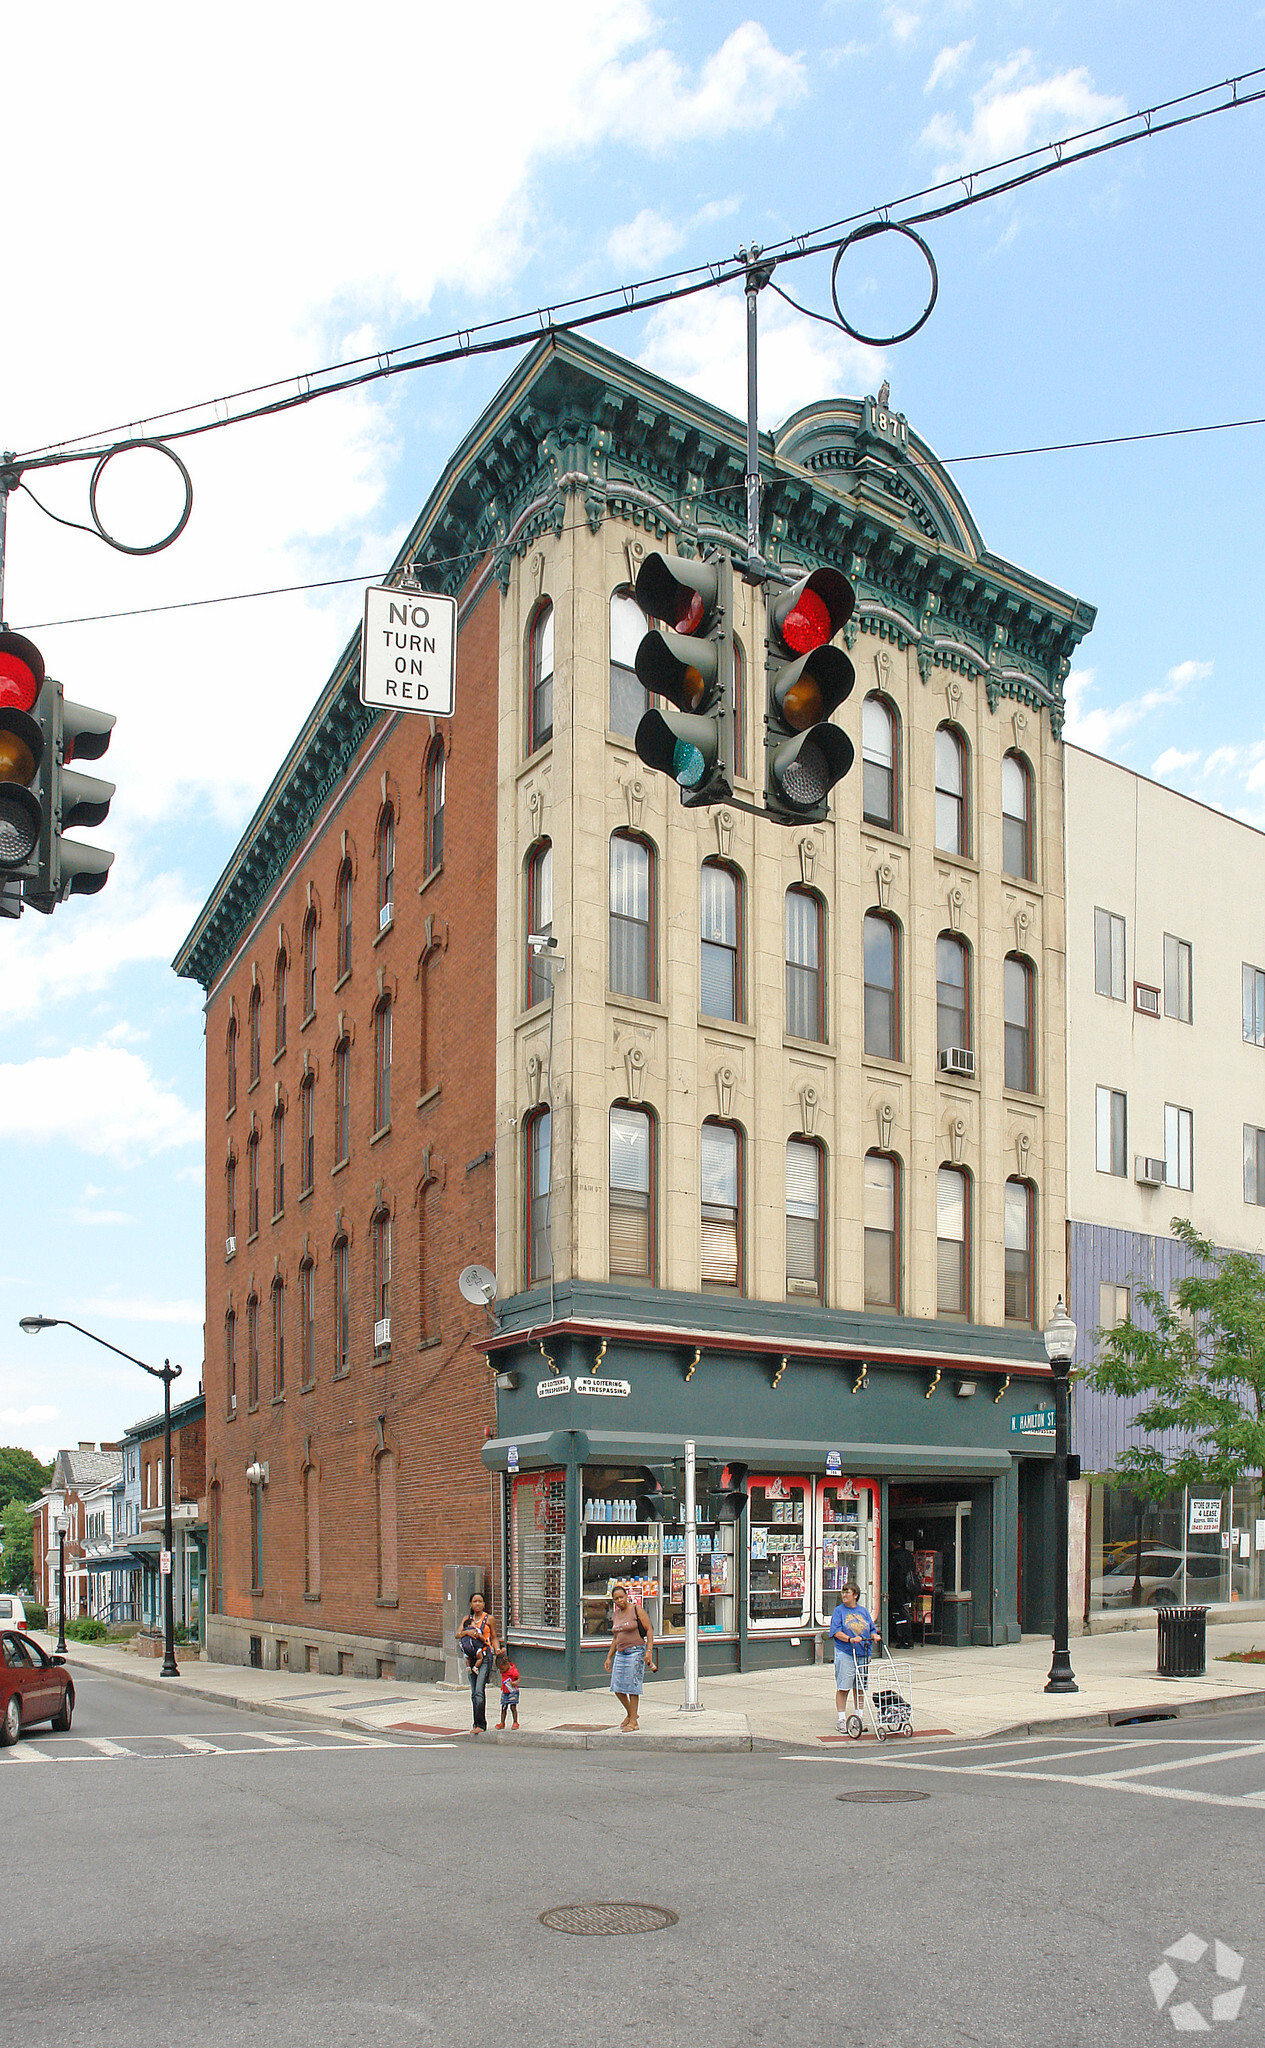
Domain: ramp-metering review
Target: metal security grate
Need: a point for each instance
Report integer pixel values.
(607, 1917)
(883, 1798)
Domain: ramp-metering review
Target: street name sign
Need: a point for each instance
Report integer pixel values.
(408, 651)
(1037, 1422)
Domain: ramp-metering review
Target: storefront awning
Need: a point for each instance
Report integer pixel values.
(112, 1561)
(774, 1454)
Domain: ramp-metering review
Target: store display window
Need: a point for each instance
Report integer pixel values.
(779, 1538)
(616, 1549)
(717, 1578)
(538, 1552)
(847, 1542)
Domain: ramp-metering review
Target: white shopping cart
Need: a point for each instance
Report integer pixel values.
(887, 1690)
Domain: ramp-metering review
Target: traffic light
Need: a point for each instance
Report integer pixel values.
(651, 1497)
(806, 680)
(689, 660)
(21, 753)
(70, 867)
(730, 1496)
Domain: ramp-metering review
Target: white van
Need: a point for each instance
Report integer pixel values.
(12, 1610)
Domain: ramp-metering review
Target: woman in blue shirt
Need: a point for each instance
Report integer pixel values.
(853, 1634)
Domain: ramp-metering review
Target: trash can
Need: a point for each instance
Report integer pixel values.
(1181, 1642)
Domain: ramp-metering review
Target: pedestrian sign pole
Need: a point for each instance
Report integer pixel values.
(691, 1586)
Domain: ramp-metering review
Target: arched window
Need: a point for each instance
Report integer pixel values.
(953, 995)
(386, 867)
(278, 1162)
(720, 925)
(537, 1141)
(231, 1048)
(309, 965)
(631, 1217)
(342, 1101)
(312, 1531)
(278, 1339)
(805, 1218)
(629, 696)
(428, 1020)
(1017, 1004)
(632, 914)
(307, 1136)
(540, 674)
(381, 1282)
(252, 1185)
(384, 1478)
(881, 939)
(382, 1065)
(230, 1361)
(252, 1018)
(435, 776)
(344, 919)
(879, 785)
(252, 1351)
(881, 1207)
(342, 1306)
(307, 1323)
(230, 1205)
(1016, 818)
(952, 817)
(282, 977)
(1020, 1306)
(722, 1218)
(805, 978)
(953, 1262)
(539, 920)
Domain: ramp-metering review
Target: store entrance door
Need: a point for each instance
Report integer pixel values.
(846, 1525)
(935, 1525)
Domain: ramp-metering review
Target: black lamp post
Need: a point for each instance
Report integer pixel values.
(62, 1524)
(166, 1372)
(1060, 1345)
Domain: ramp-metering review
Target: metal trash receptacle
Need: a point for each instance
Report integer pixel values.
(1181, 1642)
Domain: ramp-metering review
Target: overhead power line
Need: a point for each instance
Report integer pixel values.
(971, 188)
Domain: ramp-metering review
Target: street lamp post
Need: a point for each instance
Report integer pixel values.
(1060, 1345)
(63, 1523)
(166, 1372)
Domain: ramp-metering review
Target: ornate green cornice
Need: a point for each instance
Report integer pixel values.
(845, 483)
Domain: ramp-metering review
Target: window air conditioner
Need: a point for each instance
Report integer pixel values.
(230, 1247)
(1146, 999)
(232, 1404)
(1148, 1173)
(385, 915)
(957, 1060)
(382, 1333)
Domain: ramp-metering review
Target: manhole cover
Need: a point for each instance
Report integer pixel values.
(608, 1917)
(883, 1798)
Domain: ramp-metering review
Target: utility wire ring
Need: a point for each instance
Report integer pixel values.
(154, 547)
(863, 234)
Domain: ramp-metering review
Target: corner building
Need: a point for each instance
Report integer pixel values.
(761, 1130)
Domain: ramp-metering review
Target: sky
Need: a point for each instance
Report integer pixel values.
(203, 207)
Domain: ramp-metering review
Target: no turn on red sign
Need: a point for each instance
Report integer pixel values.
(408, 651)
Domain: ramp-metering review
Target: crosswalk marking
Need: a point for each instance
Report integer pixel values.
(23, 1753)
(104, 1747)
(196, 1746)
(1180, 1763)
(244, 1742)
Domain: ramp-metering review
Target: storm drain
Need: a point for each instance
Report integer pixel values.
(608, 1917)
(884, 1798)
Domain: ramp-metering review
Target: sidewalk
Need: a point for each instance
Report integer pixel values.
(955, 1692)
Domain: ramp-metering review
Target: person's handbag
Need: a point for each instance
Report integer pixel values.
(652, 1662)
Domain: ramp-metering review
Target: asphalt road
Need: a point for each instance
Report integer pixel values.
(185, 1872)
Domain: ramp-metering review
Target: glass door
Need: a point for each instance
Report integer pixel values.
(779, 1516)
(847, 1543)
(717, 1579)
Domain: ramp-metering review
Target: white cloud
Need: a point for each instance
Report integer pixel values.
(101, 1098)
(1009, 117)
(94, 1217)
(25, 1418)
(1099, 726)
(1172, 759)
(85, 944)
(948, 64)
(1189, 672)
(1220, 759)
(143, 1308)
(644, 242)
(702, 343)
(647, 101)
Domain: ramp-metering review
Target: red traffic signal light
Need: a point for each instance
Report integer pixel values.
(21, 749)
(806, 680)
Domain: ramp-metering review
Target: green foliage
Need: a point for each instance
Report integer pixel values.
(36, 1616)
(1200, 1367)
(87, 1629)
(17, 1564)
(21, 1474)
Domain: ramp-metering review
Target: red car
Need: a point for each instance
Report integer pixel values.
(33, 1687)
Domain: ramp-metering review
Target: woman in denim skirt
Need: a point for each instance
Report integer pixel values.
(632, 1646)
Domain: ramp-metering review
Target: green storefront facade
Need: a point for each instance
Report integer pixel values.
(860, 1433)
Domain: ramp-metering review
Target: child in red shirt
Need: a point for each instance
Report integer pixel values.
(509, 1689)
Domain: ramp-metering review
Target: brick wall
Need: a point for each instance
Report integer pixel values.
(428, 1401)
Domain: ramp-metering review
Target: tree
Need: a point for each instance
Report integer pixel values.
(1200, 1366)
(21, 1474)
(17, 1563)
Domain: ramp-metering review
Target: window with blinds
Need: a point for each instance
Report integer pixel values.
(803, 1218)
(720, 982)
(882, 1233)
(1017, 1008)
(805, 1006)
(1018, 1231)
(721, 1180)
(632, 934)
(953, 1016)
(952, 1277)
(540, 664)
(1016, 817)
(882, 991)
(629, 696)
(878, 763)
(631, 1233)
(539, 1253)
(538, 1560)
(539, 921)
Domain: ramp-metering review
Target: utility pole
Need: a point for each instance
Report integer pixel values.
(691, 1585)
(759, 271)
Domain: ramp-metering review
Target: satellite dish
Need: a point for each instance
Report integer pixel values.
(478, 1286)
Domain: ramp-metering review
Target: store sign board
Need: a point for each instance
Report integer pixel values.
(559, 1384)
(834, 1464)
(618, 1388)
(1205, 1517)
(1037, 1422)
(408, 651)
(511, 1458)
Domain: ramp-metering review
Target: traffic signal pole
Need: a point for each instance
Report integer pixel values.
(691, 1586)
(758, 274)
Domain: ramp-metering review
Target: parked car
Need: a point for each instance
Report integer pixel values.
(33, 1687)
(1161, 1578)
(12, 1610)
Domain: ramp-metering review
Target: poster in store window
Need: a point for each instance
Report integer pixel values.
(1205, 1517)
(792, 1582)
(676, 1583)
(720, 1571)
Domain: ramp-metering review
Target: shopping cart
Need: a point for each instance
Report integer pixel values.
(887, 1689)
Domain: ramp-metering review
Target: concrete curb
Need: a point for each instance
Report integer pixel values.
(1120, 1717)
